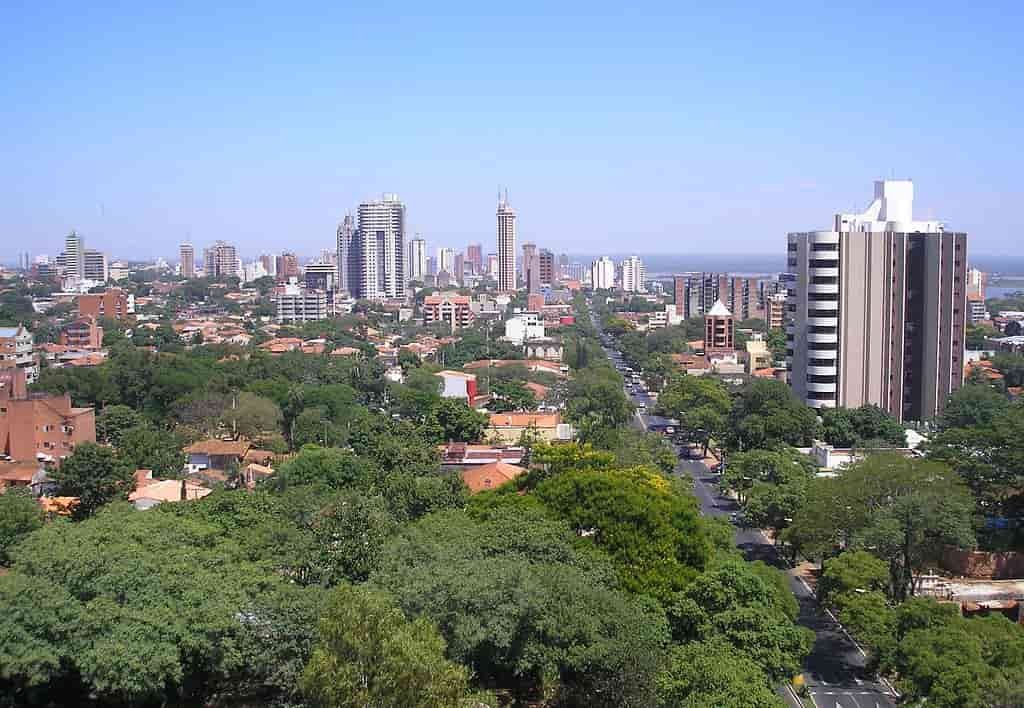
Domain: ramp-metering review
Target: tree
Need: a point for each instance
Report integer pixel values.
(852, 571)
(19, 516)
(146, 447)
(95, 475)
(766, 414)
(700, 404)
(596, 403)
(644, 521)
(972, 406)
(772, 467)
(903, 510)
(511, 396)
(330, 467)
(458, 421)
(113, 421)
(369, 654)
(350, 533)
(713, 673)
(869, 424)
(250, 415)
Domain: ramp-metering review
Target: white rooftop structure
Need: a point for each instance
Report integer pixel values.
(891, 209)
(719, 310)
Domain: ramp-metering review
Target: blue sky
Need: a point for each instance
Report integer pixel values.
(647, 127)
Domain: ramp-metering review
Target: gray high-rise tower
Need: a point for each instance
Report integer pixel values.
(506, 246)
(348, 255)
(381, 243)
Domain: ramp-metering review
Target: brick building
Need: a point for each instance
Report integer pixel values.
(16, 351)
(113, 303)
(84, 333)
(42, 426)
(448, 307)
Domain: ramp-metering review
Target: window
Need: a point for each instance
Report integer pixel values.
(823, 297)
(824, 280)
(820, 329)
(825, 247)
(821, 263)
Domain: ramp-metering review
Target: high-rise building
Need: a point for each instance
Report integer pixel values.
(348, 256)
(381, 244)
(220, 260)
(297, 304)
(321, 276)
(96, 266)
(269, 263)
(633, 275)
(719, 328)
(679, 283)
(602, 273)
(475, 257)
(188, 260)
(417, 259)
(74, 255)
(492, 265)
(446, 260)
(976, 283)
(506, 246)
(287, 267)
(459, 268)
(531, 268)
(878, 309)
(546, 267)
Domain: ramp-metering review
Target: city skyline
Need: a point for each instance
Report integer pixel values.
(658, 106)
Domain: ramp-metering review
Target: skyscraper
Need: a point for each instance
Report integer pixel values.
(878, 308)
(417, 259)
(475, 256)
(546, 267)
(633, 275)
(381, 245)
(602, 273)
(74, 255)
(446, 260)
(96, 265)
(188, 261)
(348, 260)
(531, 268)
(506, 246)
(287, 267)
(220, 260)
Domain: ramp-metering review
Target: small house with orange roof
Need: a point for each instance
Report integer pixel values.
(483, 478)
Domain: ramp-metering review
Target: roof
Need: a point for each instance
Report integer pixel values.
(169, 490)
(18, 472)
(237, 448)
(719, 310)
(492, 476)
(11, 331)
(459, 453)
(449, 374)
(525, 420)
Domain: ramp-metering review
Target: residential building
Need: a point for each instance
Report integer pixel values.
(216, 454)
(523, 327)
(459, 268)
(74, 255)
(16, 351)
(878, 309)
(458, 384)
(492, 265)
(454, 309)
(976, 311)
(719, 328)
(113, 303)
(348, 254)
(269, 263)
(482, 478)
(297, 304)
(775, 310)
(633, 275)
(82, 333)
(418, 259)
(381, 239)
(547, 348)
(475, 257)
(321, 276)
(96, 266)
(546, 266)
(118, 271)
(574, 271)
(510, 427)
(44, 427)
(220, 261)
(187, 255)
(506, 246)
(976, 280)
(531, 268)
(602, 273)
(287, 267)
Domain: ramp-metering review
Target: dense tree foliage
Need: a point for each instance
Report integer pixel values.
(766, 414)
(867, 426)
(700, 404)
(95, 475)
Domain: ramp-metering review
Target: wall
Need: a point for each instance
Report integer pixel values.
(978, 564)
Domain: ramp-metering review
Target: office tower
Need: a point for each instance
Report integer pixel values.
(446, 260)
(459, 268)
(269, 263)
(431, 265)
(297, 304)
(679, 293)
(321, 276)
(417, 259)
(878, 309)
(575, 271)
(602, 273)
(187, 256)
(475, 256)
(546, 267)
(95, 265)
(381, 239)
(633, 275)
(74, 255)
(531, 268)
(220, 260)
(506, 246)
(719, 328)
(492, 265)
(287, 267)
(348, 257)
(976, 283)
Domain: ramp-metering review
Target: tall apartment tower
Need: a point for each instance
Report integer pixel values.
(633, 275)
(506, 246)
(546, 267)
(531, 268)
(74, 255)
(348, 259)
(602, 273)
(220, 260)
(475, 255)
(418, 259)
(878, 309)
(188, 260)
(381, 238)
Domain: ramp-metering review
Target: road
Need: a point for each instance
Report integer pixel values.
(834, 671)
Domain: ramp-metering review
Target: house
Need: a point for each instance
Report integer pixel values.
(216, 454)
(523, 327)
(84, 333)
(43, 427)
(460, 454)
(16, 350)
(253, 474)
(547, 348)
(456, 384)
(491, 476)
(17, 474)
(509, 427)
(150, 491)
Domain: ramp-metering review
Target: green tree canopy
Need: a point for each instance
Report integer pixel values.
(855, 427)
(20, 515)
(766, 414)
(95, 475)
(700, 404)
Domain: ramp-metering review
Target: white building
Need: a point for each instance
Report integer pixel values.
(417, 259)
(602, 273)
(347, 258)
(446, 261)
(506, 246)
(298, 304)
(119, 270)
(255, 271)
(523, 327)
(381, 242)
(74, 256)
(633, 275)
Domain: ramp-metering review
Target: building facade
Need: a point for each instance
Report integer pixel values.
(16, 352)
(348, 256)
(96, 266)
(44, 427)
(113, 303)
(602, 273)
(74, 255)
(381, 237)
(220, 261)
(456, 310)
(187, 256)
(82, 333)
(418, 259)
(506, 246)
(719, 329)
(633, 275)
(475, 257)
(297, 304)
(878, 309)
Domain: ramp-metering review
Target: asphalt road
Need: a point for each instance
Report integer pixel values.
(834, 670)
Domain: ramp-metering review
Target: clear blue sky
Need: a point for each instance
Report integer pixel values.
(642, 127)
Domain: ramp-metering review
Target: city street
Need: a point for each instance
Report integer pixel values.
(834, 670)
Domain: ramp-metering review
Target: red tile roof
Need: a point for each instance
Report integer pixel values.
(492, 476)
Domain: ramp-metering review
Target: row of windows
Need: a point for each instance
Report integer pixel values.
(824, 280)
(816, 378)
(821, 362)
(824, 246)
(823, 263)
(821, 329)
(823, 313)
(823, 346)
(823, 297)
(821, 395)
